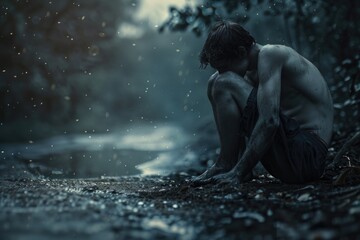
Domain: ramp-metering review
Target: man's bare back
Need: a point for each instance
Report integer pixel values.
(304, 92)
(305, 95)
(287, 86)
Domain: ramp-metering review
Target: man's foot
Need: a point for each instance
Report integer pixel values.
(204, 178)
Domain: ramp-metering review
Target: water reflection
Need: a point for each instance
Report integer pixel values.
(95, 155)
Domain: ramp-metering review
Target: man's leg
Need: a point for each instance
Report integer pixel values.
(297, 156)
(228, 117)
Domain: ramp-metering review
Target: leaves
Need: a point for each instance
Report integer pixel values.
(327, 29)
(52, 41)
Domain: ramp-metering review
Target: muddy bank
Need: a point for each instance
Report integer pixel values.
(166, 207)
(42, 199)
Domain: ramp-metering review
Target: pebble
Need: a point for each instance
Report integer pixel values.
(252, 215)
(354, 210)
(229, 196)
(304, 197)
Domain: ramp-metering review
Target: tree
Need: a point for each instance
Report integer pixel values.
(328, 29)
(45, 42)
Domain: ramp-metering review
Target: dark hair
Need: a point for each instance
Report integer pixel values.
(222, 44)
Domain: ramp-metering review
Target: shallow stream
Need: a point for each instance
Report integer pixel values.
(140, 150)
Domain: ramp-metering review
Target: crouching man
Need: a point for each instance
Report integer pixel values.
(270, 104)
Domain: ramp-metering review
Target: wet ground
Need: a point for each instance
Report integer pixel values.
(45, 201)
(156, 207)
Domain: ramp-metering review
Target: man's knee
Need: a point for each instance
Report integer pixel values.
(227, 81)
(231, 87)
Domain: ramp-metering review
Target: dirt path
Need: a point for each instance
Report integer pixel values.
(156, 207)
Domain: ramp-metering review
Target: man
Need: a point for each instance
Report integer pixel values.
(270, 104)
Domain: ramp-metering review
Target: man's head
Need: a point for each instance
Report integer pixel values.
(226, 43)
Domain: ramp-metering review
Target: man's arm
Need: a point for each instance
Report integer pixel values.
(268, 100)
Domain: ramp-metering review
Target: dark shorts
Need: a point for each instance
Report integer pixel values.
(296, 155)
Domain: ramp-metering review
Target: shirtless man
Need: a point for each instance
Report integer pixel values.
(270, 104)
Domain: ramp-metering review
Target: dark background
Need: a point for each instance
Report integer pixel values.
(97, 66)
(94, 91)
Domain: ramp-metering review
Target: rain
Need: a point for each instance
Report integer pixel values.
(105, 119)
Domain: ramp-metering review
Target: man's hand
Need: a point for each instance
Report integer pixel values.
(206, 177)
(232, 177)
(228, 178)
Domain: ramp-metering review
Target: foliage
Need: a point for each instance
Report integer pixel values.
(43, 43)
(328, 29)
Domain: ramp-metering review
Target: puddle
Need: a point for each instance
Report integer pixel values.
(96, 155)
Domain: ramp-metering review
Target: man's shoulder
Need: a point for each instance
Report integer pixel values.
(213, 77)
(275, 52)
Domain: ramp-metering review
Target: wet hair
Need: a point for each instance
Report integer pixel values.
(222, 44)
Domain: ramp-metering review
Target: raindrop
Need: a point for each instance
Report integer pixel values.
(93, 50)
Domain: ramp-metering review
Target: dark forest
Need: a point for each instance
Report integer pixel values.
(104, 119)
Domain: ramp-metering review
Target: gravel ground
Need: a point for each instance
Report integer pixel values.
(37, 202)
(167, 207)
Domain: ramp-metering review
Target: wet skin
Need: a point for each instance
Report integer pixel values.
(286, 81)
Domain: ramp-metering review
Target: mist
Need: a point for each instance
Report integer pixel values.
(91, 104)
(137, 77)
(105, 123)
